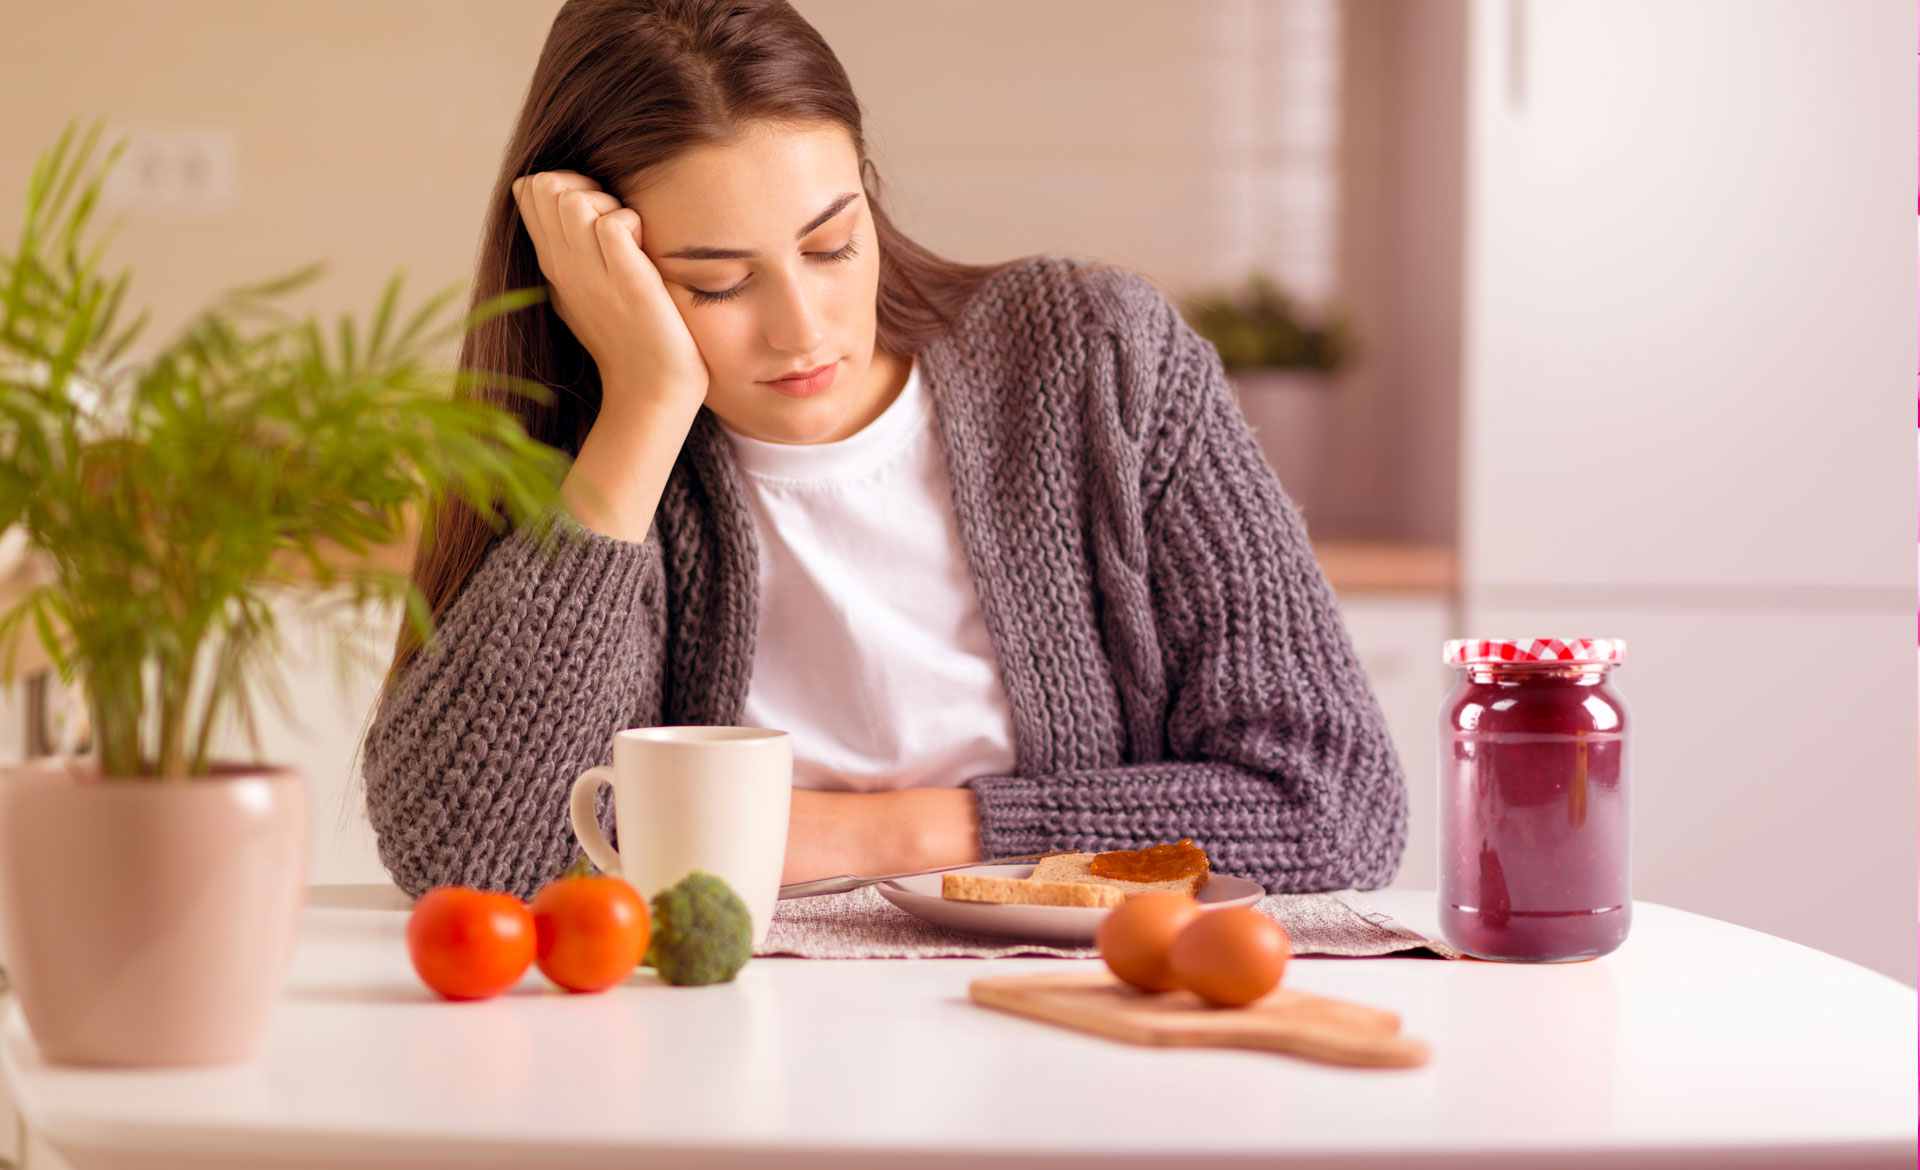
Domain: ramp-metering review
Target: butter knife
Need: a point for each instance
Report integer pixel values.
(847, 881)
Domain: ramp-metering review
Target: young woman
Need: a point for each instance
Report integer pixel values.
(994, 543)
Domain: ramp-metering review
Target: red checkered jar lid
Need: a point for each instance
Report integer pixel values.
(1470, 651)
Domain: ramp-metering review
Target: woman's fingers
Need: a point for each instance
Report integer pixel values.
(527, 190)
(580, 222)
(577, 212)
(619, 233)
(540, 198)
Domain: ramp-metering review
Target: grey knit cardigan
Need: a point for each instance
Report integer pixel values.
(1170, 649)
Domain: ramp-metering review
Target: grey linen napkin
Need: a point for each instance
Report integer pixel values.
(861, 924)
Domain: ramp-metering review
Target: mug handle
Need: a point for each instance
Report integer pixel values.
(586, 818)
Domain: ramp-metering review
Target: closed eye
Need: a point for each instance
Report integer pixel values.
(701, 297)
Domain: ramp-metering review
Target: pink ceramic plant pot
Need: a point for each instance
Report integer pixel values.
(146, 922)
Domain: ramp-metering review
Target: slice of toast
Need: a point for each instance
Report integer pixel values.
(1072, 868)
(966, 887)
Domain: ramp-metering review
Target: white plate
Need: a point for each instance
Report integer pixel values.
(1069, 925)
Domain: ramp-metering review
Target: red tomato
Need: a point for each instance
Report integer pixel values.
(591, 931)
(470, 944)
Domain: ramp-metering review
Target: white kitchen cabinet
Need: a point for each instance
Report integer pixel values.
(1398, 637)
(330, 705)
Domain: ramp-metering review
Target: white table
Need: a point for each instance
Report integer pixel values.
(1696, 1044)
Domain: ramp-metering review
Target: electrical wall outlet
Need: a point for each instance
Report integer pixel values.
(176, 172)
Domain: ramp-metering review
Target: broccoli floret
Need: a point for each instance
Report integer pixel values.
(701, 932)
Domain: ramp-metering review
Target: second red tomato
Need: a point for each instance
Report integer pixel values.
(591, 931)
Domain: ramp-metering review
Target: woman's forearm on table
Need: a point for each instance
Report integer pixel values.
(470, 729)
(870, 833)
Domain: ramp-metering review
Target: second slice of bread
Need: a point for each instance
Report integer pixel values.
(965, 887)
(1071, 868)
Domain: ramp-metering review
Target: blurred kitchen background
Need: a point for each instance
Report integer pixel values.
(1630, 280)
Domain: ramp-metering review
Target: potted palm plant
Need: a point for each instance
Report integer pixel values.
(150, 889)
(1282, 365)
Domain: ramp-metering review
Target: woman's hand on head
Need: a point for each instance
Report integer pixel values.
(608, 292)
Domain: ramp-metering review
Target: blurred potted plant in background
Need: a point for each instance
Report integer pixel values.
(1282, 366)
(149, 891)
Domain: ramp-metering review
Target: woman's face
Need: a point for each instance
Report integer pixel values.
(767, 247)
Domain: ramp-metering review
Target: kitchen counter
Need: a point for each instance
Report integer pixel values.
(1387, 566)
(1697, 1044)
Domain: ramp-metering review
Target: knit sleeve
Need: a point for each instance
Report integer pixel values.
(544, 654)
(1277, 759)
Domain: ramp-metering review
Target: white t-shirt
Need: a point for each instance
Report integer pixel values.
(871, 648)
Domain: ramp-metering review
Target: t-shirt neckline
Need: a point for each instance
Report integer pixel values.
(851, 457)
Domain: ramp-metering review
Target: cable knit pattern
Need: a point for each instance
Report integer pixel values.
(1172, 654)
(541, 658)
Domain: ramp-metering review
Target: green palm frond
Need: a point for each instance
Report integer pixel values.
(177, 495)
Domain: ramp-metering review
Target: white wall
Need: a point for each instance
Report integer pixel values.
(333, 675)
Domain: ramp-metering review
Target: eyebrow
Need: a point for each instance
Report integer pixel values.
(833, 209)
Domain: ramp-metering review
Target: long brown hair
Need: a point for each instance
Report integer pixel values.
(623, 86)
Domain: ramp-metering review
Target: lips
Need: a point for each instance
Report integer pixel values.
(806, 385)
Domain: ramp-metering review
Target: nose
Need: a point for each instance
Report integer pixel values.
(793, 322)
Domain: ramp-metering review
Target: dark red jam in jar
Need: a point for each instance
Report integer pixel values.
(1533, 800)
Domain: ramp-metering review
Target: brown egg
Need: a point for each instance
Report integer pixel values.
(1230, 957)
(1135, 935)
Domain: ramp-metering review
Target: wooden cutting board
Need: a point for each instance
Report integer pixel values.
(1285, 1020)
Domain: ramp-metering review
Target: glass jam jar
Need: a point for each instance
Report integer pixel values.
(1533, 800)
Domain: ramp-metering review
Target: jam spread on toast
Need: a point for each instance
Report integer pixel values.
(1156, 863)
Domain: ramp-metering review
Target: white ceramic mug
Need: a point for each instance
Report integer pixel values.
(687, 798)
